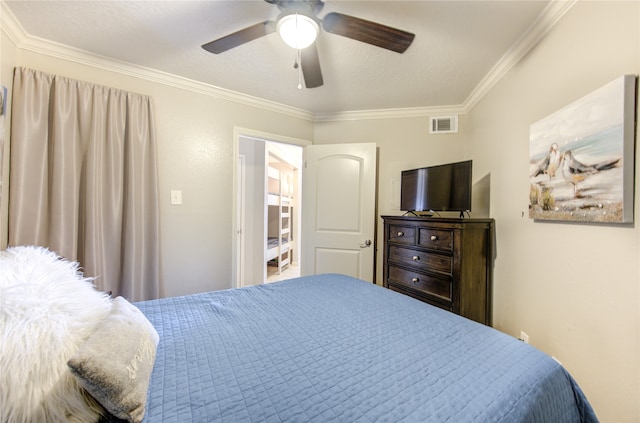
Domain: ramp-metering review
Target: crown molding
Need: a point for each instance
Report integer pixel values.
(547, 19)
(9, 25)
(26, 42)
(538, 29)
(409, 112)
(532, 36)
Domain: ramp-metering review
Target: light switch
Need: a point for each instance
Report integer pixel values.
(176, 196)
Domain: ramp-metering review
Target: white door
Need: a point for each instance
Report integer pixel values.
(338, 209)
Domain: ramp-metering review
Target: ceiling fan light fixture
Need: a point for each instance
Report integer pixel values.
(298, 31)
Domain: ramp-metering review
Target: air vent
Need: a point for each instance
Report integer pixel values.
(444, 125)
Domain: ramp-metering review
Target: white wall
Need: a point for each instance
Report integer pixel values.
(574, 289)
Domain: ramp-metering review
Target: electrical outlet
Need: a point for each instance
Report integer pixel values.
(176, 197)
(524, 337)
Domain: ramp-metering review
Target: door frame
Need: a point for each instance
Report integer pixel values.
(236, 229)
(240, 200)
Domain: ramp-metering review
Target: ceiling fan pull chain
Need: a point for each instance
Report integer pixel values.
(299, 62)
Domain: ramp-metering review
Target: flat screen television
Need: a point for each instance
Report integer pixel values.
(445, 187)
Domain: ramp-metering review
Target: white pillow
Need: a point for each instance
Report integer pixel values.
(47, 310)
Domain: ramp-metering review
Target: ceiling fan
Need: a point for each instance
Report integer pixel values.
(301, 13)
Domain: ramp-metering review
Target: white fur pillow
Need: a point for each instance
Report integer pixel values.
(47, 310)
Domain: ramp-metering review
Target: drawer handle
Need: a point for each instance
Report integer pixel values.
(400, 233)
(415, 280)
(415, 258)
(434, 237)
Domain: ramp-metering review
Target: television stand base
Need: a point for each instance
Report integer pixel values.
(418, 214)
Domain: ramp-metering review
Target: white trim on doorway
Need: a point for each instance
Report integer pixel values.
(237, 224)
(239, 235)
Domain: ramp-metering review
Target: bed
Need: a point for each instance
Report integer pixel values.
(273, 244)
(324, 348)
(330, 348)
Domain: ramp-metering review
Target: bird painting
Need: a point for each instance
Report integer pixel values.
(575, 171)
(550, 163)
(581, 157)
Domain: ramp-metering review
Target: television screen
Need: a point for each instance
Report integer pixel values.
(445, 187)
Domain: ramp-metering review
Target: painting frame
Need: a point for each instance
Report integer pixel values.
(582, 158)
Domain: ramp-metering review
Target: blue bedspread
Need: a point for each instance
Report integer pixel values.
(331, 348)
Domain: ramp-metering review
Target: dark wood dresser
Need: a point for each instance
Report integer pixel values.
(446, 262)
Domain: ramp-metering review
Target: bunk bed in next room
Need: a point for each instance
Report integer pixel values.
(279, 213)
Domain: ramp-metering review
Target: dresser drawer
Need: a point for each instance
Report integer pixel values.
(402, 234)
(445, 305)
(429, 285)
(438, 239)
(421, 260)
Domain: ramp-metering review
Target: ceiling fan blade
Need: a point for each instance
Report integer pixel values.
(240, 37)
(310, 63)
(367, 32)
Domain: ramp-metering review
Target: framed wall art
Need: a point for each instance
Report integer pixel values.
(581, 161)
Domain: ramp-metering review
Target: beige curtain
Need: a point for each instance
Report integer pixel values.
(83, 179)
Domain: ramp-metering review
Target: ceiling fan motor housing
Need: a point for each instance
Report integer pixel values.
(306, 7)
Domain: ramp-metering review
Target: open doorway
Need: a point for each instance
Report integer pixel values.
(282, 211)
(268, 213)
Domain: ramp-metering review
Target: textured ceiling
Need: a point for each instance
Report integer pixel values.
(457, 44)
